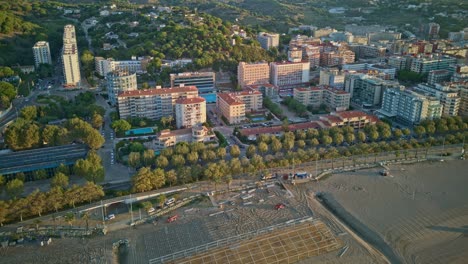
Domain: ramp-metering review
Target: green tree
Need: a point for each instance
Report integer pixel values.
(55, 198)
(162, 162)
(275, 145)
(171, 177)
(29, 112)
(192, 157)
(177, 161)
(234, 151)
(419, 131)
(141, 181)
(158, 179)
(221, 153)
(147, 205)
(15, 188)
(397, 133)
(361, 136)
(148, 157)
(121, 126)
(37, 202)
(134, 159)
(262, 147)
(326, 140)
(59, 180)
(350, 138)
(69, 218)
(4, 210)
(406, 132)
(7, 94)
(97, 120)
(338, 138)
(251, 150)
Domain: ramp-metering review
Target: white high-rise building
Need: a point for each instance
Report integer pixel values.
(119, 81)
(70, 58)
(190, 112)
(41, 53)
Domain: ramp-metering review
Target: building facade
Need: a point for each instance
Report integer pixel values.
(253, 73)
(204, 81)
(449, 98)
(337, 100)
(367, 90)
(190, 112)
(289, 74)
(120, 81)
(268, 40)
(425, 64)
(231, 108)
(152, 103)
(410, 107)
(41, 52)
(169, 138)
(70, 58)
(332, 77)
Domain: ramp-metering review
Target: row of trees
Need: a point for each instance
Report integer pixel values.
(7, 94)
(273, 107)
(295, 106)
(222, 171)
(182, 154)
(27, 134)
(38, 203)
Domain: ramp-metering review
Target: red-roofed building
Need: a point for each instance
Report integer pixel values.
(356, 119)
(152, 103)
(231, 108)
(190, 112)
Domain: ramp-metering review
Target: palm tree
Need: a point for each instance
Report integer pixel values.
(70, 218)
(86, 217)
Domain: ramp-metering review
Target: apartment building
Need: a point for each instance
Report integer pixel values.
(295, 54)
(41, 52)
(463, 93)
(449, 98)
(425, 64)
(399, 63)
(367, 90)
(70, 59)
(152, 103)
(311, 54)
(204, 81)
(231, 108)
(267, 90)
(104, 66)
(287, 75)
(119, 81)
(438, 76)
(252, 99)
(409, 107)
(169, 138)
(268, 40)
(190, 112)
(335, 99)
(368, 51)
(332, 77)
(253, 73)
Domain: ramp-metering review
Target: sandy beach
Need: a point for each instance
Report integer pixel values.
(420, 212)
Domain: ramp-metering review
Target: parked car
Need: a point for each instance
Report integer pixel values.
(280, 206)
(110, 217)
(151, 209)
(169, 202)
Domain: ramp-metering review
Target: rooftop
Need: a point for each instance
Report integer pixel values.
(184, 89)
(229, 99)
(42, 158)
(195, 100)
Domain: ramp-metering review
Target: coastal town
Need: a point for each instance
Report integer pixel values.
(145, 133)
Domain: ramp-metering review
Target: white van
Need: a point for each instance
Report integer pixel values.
(169, 202)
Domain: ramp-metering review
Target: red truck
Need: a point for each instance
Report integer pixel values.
(173, 218)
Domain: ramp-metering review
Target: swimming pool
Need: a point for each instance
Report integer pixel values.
(258, 118)
(209, 97)
(139, 131)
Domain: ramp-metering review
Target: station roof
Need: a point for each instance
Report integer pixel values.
(42, 158)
